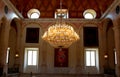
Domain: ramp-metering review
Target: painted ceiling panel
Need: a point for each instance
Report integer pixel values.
(75, 7)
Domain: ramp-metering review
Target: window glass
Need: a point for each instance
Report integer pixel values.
(7, 58)
(61, 13)
(29, 57)
(87, 58)
(33, 13)
(32, 57)
(89, 14)
(90, 57)
(115, 58)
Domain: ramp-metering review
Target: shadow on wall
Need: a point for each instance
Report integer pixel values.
(13, 70)
(109, 71)
(1, 71)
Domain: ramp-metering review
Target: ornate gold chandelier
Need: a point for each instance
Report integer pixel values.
(60, 34)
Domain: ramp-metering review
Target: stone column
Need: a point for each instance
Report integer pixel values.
(103, 44)
(101, 49)
(80, 53)
(43, 62)
(18, 45)
(4, 43)
(117, 46)
(0, 22)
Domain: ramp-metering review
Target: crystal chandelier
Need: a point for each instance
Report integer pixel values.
(60, 34)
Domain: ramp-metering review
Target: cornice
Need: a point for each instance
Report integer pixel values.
(116, 28)
(0, 21)
(45, 22)
(10, 5)
(112, 7)
(66, 20)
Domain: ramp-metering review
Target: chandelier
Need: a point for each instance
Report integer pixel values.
(60, 34)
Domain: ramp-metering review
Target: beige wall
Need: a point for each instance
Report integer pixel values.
(16, 40)
(76, 50)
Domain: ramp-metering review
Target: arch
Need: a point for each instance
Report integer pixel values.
(109, 24)
(14, 42)
(0, 22)
(110, 43)
(16, 23)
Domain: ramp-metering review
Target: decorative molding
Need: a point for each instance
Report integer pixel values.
(117, 10)
(10, 5)
(113, 5)
(77, 23)
(116, 27)
(6, 9)
(0, 22)
(66, 20)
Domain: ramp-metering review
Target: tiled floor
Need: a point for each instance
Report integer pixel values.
(58, 75)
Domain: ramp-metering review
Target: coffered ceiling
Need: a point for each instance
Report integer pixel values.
(75, 7)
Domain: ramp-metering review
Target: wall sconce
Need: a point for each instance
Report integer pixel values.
(16, 55)
(106, 56)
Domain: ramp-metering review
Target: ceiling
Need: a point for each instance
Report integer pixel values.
(75, 7)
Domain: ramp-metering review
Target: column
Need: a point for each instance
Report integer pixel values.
(102, 47)
(117, 46)
(43, 51)
(80, 53)
(0, 22)
(18, 45)
(4, 43)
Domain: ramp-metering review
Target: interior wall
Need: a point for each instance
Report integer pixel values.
(12, 45)
(76, 63)
(110, 48)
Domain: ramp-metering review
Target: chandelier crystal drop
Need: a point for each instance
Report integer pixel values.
(60, 34)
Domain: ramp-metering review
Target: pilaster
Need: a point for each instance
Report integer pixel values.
(117, 46)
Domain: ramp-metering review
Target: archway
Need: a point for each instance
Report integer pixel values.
(13, 48)
(110, 45)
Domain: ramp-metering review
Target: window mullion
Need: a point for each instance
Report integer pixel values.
(90, 57)
(32, 57)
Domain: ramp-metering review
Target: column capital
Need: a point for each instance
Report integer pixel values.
(116, 27)
(0, 21)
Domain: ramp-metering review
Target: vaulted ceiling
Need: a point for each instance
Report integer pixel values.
(76, 7)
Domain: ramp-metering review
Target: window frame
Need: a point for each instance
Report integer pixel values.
(64, 13)
(95, 53)
(26, 55)
(32, 64)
